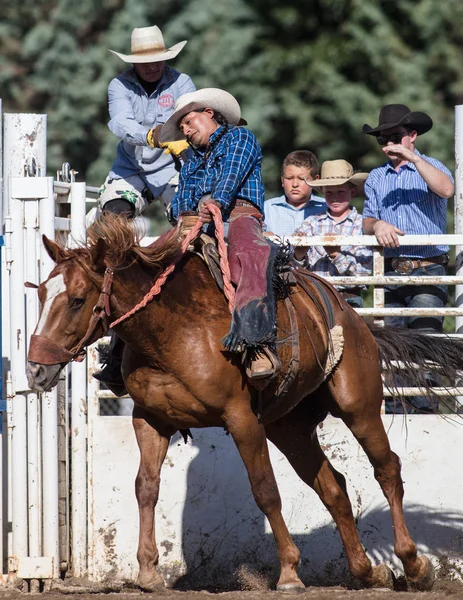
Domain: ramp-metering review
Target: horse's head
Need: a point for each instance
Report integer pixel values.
(72, 313)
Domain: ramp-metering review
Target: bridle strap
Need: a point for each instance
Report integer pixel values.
(45, 352)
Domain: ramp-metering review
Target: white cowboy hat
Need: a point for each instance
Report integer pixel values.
(148, 46)
(338, 172)
(218, 100)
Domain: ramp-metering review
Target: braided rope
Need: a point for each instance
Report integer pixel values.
(191, 235)
(228, 288)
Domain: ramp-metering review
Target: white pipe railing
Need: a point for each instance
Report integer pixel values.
(77, 195)
(378, 279)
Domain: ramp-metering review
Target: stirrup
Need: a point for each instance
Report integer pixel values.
(271, 365)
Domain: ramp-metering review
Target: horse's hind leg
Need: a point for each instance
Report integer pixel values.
(153, 448)
(251, 442)
(296, 438)
(364, 420)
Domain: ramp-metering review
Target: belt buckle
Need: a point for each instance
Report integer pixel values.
(402, 266)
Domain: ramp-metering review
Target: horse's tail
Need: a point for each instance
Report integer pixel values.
(422, 360)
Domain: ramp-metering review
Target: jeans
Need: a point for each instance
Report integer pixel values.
(416, 296)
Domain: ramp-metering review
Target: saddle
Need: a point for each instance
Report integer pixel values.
(206, 247)
(288, 276)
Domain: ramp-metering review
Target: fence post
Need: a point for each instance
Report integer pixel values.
(29, 210)
(25, 144)
(78, 415)
(459, 208)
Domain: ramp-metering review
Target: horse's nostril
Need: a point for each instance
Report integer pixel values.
(35, 373)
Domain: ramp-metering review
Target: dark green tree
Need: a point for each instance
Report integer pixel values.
(308, 73)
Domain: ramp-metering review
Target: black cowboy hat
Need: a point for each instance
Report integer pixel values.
(392, 115)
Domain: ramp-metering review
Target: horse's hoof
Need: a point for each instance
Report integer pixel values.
(425, 580)
(293, 588)
(152, 583)
(381, 577)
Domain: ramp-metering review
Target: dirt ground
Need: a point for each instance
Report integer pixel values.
(443, 590)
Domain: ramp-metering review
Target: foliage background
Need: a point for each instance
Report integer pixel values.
(308, 73)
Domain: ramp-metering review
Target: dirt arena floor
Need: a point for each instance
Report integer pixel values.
(443, 590)
(335, 593)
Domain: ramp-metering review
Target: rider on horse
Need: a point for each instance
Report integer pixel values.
(226, 171)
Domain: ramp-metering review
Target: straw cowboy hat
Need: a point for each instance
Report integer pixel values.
(338, 172)
(148, 46)
(393, 115)
(219, 100)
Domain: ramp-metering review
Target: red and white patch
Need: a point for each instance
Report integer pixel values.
(166, 101)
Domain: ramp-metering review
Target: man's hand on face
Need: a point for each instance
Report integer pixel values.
(387, 234)
(204, 214)
(397, 151)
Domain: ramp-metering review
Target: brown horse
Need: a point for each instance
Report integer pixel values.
(179, 376)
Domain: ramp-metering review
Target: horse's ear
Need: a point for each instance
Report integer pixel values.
(54, 250)
(99, 255)
(31, 285)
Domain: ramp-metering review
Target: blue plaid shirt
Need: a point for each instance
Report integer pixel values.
(403, 199)
(232, 170)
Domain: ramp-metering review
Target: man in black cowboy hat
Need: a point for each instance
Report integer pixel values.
(408, 195)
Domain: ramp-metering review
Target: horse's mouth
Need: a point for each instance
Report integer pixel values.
(42, 378)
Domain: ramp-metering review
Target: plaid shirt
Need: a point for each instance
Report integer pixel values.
(352, 260)
(231, 171)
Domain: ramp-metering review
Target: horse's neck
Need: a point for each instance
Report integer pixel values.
(129, 288)
(190, 287)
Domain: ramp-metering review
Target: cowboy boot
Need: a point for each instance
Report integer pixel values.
(264, 365)
(111, 374)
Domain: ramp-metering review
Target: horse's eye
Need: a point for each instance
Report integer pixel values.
(76, 302)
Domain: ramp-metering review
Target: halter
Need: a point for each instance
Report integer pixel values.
(46, 352)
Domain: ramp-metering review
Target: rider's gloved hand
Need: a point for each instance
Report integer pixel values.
(175, 148)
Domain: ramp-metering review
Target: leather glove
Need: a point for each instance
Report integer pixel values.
(176, 148)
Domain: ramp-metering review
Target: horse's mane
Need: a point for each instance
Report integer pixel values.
(123, 237)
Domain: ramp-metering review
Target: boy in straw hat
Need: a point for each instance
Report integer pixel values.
(225, 170)
(140, 100)
(339, 184)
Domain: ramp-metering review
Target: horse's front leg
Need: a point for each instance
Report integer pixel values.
(251, 442)
(153, 448)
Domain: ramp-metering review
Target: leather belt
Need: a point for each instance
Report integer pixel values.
(240, 202)
(405, 266)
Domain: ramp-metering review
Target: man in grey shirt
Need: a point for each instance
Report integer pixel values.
(140, 101)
